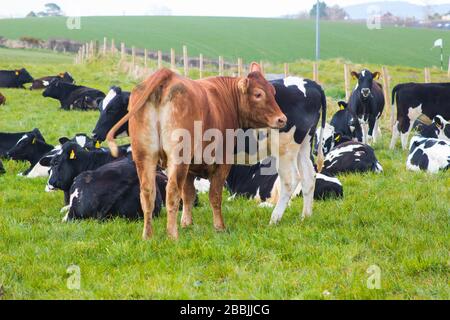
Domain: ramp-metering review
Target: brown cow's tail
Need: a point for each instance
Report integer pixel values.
(320, 155)
(138, 99)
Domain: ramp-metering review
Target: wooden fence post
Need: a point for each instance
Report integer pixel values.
(185, 61)
(427, 75)
(133, 55)
(159, 59)
(113, 47)
(122, 51)
(105, 44)
(172, 59)
(286, 70)
(200, 66)
(239, 67)
(347, 82)
(387, 90)
(145, 57)
(316, 71)
(220, 66)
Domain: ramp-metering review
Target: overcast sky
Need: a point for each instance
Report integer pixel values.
(247, 8)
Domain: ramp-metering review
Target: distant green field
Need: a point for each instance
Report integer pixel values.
(275, 40)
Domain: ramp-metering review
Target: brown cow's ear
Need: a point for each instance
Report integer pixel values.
(376, 75)
(243, 85)
(355, 75)
(255, 67)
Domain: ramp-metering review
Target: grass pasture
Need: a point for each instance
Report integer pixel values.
(397, 220)
(278, 40)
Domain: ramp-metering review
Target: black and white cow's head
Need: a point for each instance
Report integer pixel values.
(113, 108)
(365, 82)
(327, 139)
(26, 146)
(438, 129)
(22, 76)
(82, 140)
(64, 166)
(54, 89)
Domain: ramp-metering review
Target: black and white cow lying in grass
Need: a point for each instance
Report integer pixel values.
(111, 190)
(351, 156)
(33, 148)
(9, 140)
(251, 182)
(430, 150)
(72, 96)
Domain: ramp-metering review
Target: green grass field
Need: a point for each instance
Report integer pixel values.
(276, 40)
(397, 220)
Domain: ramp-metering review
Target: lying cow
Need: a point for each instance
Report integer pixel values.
(14, 78)
(438, 129)
(251, 182)
(113, 108)
(351, 156)
(428, 154)
(174, 104)
(112, 190)
(74, 97)
(2, 99)
(43, 82)
(71, 161)
(417, 101)
(367, 104)
(9, 140)
(345, 123)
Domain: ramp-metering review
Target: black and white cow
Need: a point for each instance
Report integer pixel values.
(367, 104)
(43, 82)
(112, 190)
(250, 182)
(30, 147)
(74, 97)
(9, 140)
(2, 169)
(438, 129)
(345, 123)
(351, 156)
(417, 101)
(113, 108)
(70, 161)
(30, 150)
(14, 78)
(428, 154)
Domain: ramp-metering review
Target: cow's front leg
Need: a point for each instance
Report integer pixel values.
(371, 127)
(289, 179)
(308, 178)
(217, 181)
(188, 196)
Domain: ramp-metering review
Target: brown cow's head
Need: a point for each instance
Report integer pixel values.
(259, 108)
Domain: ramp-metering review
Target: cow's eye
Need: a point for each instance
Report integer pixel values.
(258, 95)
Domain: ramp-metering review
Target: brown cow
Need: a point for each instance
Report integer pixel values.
(173, 103)
(2, 99)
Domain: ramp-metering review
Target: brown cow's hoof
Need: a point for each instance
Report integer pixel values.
(147, 234)
(173, 235)
(186, 222)
(220, 228)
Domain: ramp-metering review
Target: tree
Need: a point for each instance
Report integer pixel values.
(335, 13)
(53, 9)
(31, 14)
(322, 10)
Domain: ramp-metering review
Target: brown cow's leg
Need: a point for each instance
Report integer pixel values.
(215, 195)
(147, 172)
(177, 177)
(188, 195)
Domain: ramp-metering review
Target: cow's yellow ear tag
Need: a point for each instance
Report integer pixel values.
(97, 144)
(17, 73)
(72, 155)
(338, 137)
(341, 107)
(34, 141)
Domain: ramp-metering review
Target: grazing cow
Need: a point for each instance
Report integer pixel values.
(43, 82)
(2, 99)
(250, 182)
(417, 101)
(71, 160)
(438, 129)
(351, 156)
(113, 108)
(30, 147)
(428, 154)
(367, 104)
(14, 78)
(30, 151)
(174, 104)
(74, 97)
(2, 169)
(112, 190)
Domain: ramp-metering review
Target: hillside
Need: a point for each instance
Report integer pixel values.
(275, 40)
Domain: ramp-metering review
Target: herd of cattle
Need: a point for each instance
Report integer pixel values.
(137, 181)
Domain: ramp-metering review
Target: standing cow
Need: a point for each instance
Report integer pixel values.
(367, 104)
(167, 105)
(14, 78)
(417, 101)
